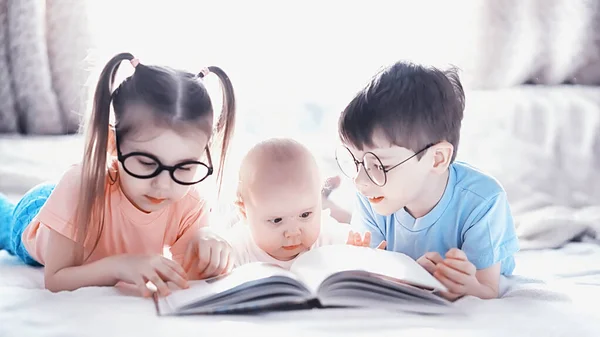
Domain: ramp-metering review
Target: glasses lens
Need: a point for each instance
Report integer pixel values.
(140, 165)
(345, 161)
(374, 169)
(190, 173)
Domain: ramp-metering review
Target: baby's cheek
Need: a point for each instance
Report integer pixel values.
(311, 233)
(266, 239)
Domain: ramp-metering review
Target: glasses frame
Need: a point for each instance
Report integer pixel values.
(385, 171)
(171, 169)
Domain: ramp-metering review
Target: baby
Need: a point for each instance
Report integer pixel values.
(279, 199)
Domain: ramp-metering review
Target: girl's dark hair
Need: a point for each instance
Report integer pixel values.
(174, 97)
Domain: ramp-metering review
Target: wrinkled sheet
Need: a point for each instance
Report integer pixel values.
(555, 294)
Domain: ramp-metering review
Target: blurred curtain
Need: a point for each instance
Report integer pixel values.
(43, 72)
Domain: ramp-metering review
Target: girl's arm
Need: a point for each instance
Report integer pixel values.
(62, 272)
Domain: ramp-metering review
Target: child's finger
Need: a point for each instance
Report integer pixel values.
(367, 240)
(462, 266)
(215, 261)
(427, 264)
(203, 259)
(230, 264)
(223, 261)
(160, 285)
(350, 240)
(141, 284)
(452, 274)
(456, 253)
(434, 257)
(176, 267)
(451, 285)
(382, 245)
(357, 239)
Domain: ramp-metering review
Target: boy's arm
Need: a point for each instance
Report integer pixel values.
(489, 240)
(363, 220)
(461, 277)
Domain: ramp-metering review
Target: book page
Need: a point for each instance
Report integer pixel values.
(241, 278)
(318, 264)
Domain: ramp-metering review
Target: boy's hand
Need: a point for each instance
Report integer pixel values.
(430, 260)
(354, 239)
(208, 255)
(457, 274)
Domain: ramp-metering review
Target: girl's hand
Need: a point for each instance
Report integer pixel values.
(354, 239)
(139, 269)
(208, 255)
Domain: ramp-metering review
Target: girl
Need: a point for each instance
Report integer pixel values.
(109, 218)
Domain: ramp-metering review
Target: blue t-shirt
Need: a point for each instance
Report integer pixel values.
(472, 215)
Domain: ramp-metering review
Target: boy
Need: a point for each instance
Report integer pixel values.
(400, 136)
(280, 206)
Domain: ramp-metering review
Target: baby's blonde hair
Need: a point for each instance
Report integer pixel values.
(272, 151)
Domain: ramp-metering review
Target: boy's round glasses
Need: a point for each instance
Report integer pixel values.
(374, 169)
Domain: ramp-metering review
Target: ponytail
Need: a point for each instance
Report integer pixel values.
(90, 212)
(226, 122)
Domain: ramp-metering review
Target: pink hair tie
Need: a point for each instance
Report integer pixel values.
(204, 72)
(135, 62)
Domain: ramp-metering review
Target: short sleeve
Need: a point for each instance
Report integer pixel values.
(194, 219)
(58, 212)
(491, 237)
(363, 219)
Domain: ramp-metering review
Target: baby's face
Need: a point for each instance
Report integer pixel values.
(285, 217)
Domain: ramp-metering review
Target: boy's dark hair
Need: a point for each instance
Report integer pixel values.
(412, 105)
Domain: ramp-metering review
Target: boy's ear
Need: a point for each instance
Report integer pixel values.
(241, 207)
(442, 156)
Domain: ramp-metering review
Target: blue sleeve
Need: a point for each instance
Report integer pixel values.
(490, 238)
(363, 219)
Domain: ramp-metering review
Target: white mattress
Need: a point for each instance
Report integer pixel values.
(556, 294)
(541, 143)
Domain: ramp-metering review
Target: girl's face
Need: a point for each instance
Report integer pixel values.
(170, 148)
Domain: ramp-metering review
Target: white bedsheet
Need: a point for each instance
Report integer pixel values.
(541, 142)
(555, 294)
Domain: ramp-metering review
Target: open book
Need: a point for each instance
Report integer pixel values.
(329, 276)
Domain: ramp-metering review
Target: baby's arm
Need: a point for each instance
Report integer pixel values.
(62, 271)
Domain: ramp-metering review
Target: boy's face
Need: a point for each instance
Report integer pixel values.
(404, 182)
(284, 214)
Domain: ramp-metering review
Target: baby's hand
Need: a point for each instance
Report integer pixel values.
(354, 239)
(457, 274)
(208, 255)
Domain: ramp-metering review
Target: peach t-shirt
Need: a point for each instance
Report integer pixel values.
(127, 230)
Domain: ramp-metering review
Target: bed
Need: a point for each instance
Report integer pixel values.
(542, 143)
